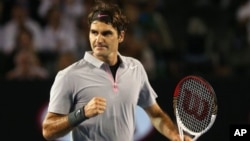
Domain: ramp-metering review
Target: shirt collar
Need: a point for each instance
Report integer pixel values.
(98, 63)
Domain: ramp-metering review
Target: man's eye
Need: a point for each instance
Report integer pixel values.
(107, 33)
(94, 32)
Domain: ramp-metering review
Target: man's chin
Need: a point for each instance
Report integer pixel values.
(99, 53)
(100, 48)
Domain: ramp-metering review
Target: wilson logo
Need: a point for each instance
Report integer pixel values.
(195, 105)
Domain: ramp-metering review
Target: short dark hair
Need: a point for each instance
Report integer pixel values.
(109, 13)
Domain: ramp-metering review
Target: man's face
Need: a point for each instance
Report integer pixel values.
(104, 39)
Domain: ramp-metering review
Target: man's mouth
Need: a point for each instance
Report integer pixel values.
(100, 46)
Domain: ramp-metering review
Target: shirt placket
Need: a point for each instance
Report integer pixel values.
(113, 80)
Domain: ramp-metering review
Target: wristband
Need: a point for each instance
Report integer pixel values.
(76, 117)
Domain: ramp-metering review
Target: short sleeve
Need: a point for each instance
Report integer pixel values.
(147, 95)
(60, 95)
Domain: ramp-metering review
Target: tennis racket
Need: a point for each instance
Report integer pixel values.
(195, 106)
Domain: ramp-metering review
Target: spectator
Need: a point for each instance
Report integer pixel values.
(241, 58)
(82, 34)
(23, 41)
(158, 35)
(156, 27)
(1, 25)
(70, 10)
(2, 56)
(20, 18)
(196, 55)
(58, 36)
(243, 17)
(27, 67)
(139, 49)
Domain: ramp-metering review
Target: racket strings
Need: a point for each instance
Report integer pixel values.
(194, 105)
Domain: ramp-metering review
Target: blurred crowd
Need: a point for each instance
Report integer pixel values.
(171, 38)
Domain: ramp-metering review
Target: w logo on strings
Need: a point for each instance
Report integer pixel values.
(196, 106)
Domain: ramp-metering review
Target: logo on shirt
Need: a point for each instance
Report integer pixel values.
(132, 67)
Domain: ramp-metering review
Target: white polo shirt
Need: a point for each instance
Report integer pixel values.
(76, 85)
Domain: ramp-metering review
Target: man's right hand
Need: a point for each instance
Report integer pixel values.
(95, 106)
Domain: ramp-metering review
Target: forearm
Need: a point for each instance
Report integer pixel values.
(56, 127)
(165, 125)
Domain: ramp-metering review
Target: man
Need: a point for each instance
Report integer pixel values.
(95, 98)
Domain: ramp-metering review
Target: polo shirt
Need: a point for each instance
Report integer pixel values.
(89, 77)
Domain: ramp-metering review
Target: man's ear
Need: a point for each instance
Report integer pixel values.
(121, 36)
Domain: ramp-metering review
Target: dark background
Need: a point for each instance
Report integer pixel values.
(22, 101)
(21, 105)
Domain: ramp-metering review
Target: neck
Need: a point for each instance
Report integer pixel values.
(110, 59)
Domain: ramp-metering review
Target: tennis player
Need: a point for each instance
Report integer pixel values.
(95, 98)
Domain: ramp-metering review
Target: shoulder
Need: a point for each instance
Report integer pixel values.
(130, 60)
(73, 68)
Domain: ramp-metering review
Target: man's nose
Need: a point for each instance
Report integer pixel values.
(99, 38)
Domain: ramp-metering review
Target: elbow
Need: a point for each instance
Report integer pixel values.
(47, 135)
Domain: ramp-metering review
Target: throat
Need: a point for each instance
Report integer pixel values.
(114, 68)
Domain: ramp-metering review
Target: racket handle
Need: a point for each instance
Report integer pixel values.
(181, 133)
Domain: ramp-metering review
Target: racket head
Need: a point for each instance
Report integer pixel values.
(195, 104)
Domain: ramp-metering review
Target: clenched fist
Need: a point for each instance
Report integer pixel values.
(95, 106)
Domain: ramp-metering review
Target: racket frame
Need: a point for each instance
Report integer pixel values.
(196, 135)
(181, 127)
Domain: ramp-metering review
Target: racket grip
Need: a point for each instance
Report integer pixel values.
(182, 137)
(181, 133)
